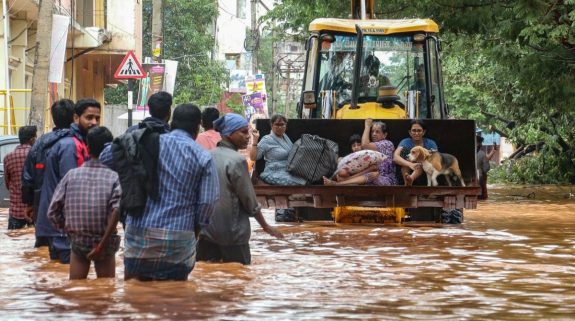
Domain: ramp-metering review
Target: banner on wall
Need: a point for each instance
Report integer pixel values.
(151, 84)
(255, 84)
(60, 26)
(255, 105)
(255, 98)
(237, 81)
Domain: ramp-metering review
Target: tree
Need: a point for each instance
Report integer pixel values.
(511, 58)
(41, 65)
(187, 40)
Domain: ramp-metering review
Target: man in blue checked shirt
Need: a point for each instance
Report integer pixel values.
(161, 243)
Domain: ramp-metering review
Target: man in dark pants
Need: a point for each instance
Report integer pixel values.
(67, 153)
(62, 112)
(227, 237)
(13, 166)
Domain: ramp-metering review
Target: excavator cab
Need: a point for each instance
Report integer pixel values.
(349, 61)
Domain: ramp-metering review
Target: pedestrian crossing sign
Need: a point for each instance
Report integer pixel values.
(130, 68)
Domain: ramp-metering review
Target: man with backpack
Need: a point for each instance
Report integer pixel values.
(160, 242)
(160, 105)
(62, 112)
(137, 170)
(67, 153)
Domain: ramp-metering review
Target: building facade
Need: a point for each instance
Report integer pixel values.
(96, 38)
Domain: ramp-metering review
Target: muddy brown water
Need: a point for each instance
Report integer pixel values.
(512, 259)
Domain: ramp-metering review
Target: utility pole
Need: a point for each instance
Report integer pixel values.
(157, 32)
(288, 90)
(41, 64)
(255, 37)
(274, 76)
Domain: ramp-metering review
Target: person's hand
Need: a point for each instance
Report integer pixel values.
(368, 122)
(414, 166)
(273, 232)
(255, 136)
(495, 147)
(29, 212)
(95, 253)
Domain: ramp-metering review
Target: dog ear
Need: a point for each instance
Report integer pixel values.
(426, 152)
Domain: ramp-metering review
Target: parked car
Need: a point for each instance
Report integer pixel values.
(7, 144)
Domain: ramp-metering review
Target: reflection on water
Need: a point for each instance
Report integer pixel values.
(514, 258)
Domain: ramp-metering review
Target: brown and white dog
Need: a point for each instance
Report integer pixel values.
(435, 163)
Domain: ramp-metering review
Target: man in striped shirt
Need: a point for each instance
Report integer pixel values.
(13, 166)
(161, 243)
(85, 205)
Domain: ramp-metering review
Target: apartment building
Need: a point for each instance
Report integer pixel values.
(96, 38)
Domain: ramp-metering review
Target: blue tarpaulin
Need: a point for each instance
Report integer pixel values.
(489, 138)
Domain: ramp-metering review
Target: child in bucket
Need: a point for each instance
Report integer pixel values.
(85, 204)
(359, 167)
(373, 164)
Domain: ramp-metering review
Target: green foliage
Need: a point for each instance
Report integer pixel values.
(187, 39)
(235, 104)
(533, 169)
(292, 17)
(514, 59)
(116, 96)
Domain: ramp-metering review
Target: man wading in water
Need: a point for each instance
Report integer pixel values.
(227, 237)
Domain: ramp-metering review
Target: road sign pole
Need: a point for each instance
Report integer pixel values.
(130, 101)
(130, 69)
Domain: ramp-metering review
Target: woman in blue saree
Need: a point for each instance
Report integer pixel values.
(274, 149)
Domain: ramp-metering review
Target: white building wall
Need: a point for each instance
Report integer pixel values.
(231, 26)
(124, 22)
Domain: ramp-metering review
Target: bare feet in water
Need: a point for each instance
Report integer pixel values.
(327, 181)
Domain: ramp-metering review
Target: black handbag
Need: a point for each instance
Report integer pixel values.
(312, 157)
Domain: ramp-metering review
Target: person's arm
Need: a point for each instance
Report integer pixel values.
(113, 219)
(431, 144)
(492, 152)
(56, 208)
(266, 227)
(209, 194)
(400, 160)
(365, 141)
(7, 177)
(67, 157)
(254, 147)
(28, 178)
(110, 229)
(244, 189)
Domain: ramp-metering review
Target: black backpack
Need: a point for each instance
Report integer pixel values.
(135, 155)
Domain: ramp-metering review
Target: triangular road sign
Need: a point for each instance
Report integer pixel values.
(130, 68)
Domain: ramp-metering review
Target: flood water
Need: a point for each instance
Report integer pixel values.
(512, 259)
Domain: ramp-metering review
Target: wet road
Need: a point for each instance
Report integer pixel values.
(513, 259)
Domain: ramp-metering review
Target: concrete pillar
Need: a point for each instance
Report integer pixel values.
(18, 80)
(3, 82)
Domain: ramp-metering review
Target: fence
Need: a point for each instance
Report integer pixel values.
(10, 123)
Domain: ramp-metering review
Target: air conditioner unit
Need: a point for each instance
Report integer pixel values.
(102, 35)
